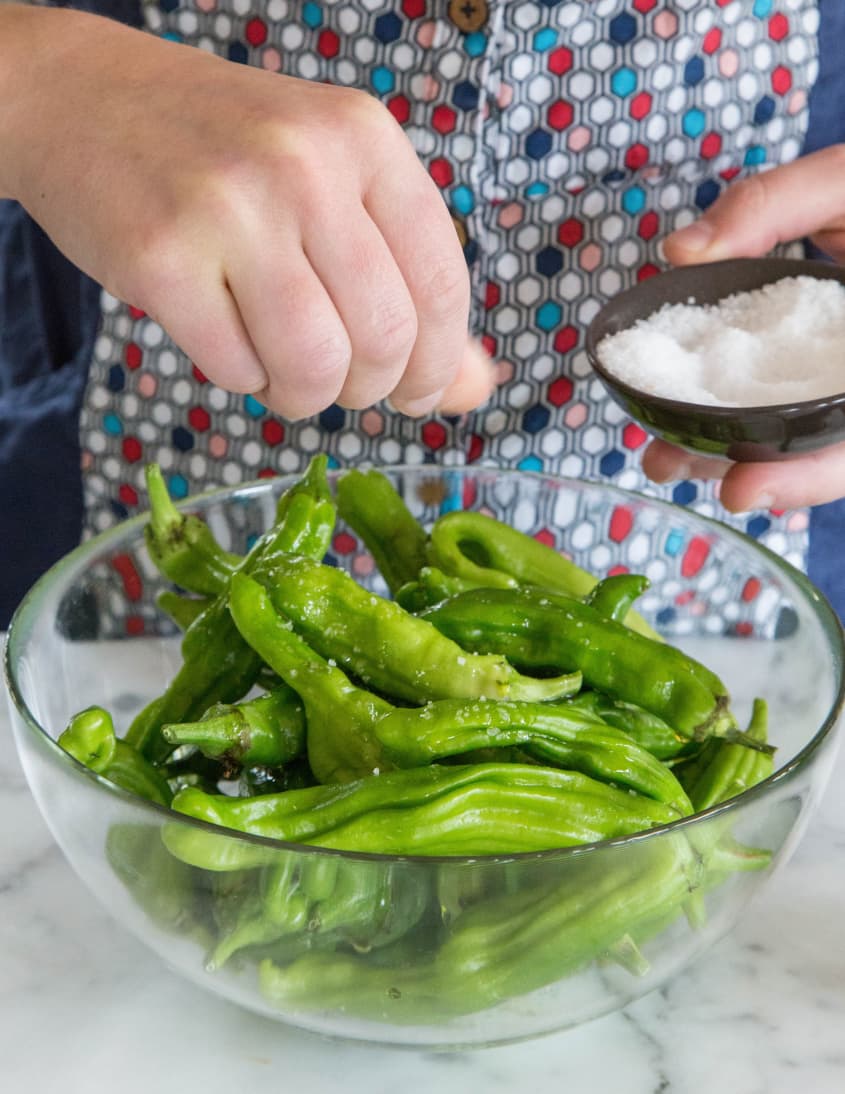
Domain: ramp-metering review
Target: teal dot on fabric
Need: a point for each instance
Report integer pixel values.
(754, 156)
(530, 463)
(463, 200)
(178, 486)
(623, 82)
(382, 80)
(475, 43)
(548, 315)
(693, 123)
(762, 8)
(312, 15)
(172, 36)
(674, 542)
(112, 425)
(545, 39)
(537, 190)
(253, 408)
(633, 200)
(454, 499)
(333, 463)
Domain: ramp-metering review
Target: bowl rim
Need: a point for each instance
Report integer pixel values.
(716, 412)
(127, 530)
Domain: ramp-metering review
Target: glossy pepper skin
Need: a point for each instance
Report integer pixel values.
(390, 649)
(538, 630)
(372, 507)
(723, 769)
(438, 810)
(552, 732)
(90, 738)
(267, 730)
(217, 664)
(491, 554)
(181, 545)
(649, 731)
(340, 718)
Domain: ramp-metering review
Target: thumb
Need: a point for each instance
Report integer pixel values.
(474, 383)
(803, 198)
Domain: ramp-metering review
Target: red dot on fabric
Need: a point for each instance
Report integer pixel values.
(470, 493)
(413, 8)
(566, 339)
(640, 105)
(744, 630)
(695, 556)
(344, 544)
(751, 589)
(571, 232)
(199, 419)
(400, 108)
(617, 569)
(476, 447)
(132, 355)
(127, 494)
(560, 114)
(433, 435)
(636, 157)
(136, 313)
(267, 473)
(489, 343)
(621, 523)
(134, 625)
(560, 60)
(646, 271)
(133, 586)
(729, 173)
(649, 225)
(685, 597)
(441, 171)
(634, 436)
(273, 431)
(781, 80)
(712, 40)
(492, 295)
(644, 6)
(199, 376)
(328, 44)
(132, 450)
(256, 32)
(711, 146)
(443, 119)
(560, 391)
(778, 27)
(545, 537)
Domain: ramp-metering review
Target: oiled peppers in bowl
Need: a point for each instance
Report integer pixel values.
(349, 765)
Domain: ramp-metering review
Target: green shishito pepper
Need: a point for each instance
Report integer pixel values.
(476, 809)
(537, 630)
(217, 664)
(372, 507)
(268, 730)
(390, 649)
(90, 738)
(724, 769)
(502, 947)
(181, 545)
(491, 554)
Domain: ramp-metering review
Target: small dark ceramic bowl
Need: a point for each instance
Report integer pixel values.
(738, 433)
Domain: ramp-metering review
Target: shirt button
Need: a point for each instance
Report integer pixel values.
(468, 15)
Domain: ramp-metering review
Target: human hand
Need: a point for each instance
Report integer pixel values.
(804, 198)
(283, 232)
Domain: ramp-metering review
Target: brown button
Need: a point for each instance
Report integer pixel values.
(468, 15)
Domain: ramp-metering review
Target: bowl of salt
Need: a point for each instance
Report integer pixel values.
(743, 359)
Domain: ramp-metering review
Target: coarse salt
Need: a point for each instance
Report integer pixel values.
(783, 343)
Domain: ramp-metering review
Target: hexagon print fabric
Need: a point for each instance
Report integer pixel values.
(567, 138)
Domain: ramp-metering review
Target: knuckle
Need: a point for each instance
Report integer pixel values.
(390, 333)
(442, 292)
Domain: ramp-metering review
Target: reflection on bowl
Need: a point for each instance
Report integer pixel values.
(430, 951)
(738, 433)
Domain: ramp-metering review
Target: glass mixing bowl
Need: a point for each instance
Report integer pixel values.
(441, 952)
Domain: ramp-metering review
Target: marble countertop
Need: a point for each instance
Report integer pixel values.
(86, 1009)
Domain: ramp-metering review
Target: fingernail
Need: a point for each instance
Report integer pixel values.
(695, 237)
(416, 408)
(678, 473)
